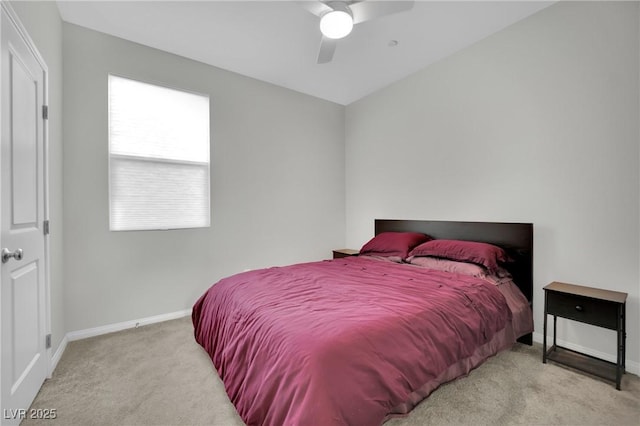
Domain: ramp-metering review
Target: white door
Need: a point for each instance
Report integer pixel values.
(24, 359)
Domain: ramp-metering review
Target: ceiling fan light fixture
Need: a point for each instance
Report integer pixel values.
(336, 24)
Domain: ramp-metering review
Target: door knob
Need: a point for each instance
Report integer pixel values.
(7, 254)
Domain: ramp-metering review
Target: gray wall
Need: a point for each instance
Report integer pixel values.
(537, 123)
(43, 23)
(277, 185)
(559, 89)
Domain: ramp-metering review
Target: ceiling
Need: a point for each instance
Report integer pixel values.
(278, 41)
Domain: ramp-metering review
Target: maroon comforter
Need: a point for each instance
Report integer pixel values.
(347, 341)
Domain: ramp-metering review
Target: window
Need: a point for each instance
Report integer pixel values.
(158, 157)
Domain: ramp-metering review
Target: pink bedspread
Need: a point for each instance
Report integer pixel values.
(347, 341)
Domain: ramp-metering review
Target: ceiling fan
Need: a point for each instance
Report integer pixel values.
(337, 19)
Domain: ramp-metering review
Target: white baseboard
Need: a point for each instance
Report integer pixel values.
(106, 329)
(630, 366)
(56, 357)
(111, 328)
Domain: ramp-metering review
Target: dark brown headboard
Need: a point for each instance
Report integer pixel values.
(515, 238)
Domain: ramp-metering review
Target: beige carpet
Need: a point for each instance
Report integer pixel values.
(158, 375)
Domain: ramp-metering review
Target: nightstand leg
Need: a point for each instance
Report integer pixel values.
(619, 363)
(624, 337)
(544, 331)
(621, 346)
(555, 327)
(544, 341)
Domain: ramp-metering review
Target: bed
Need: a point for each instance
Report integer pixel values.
(361, 339)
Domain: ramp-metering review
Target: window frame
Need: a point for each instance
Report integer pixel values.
(148, 159)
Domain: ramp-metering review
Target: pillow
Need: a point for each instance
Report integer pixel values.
(447, 265)
(484, 254)
(388, 244)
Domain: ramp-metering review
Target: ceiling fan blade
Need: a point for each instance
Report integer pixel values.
(368, 10)
(316, 7)
(327, 47)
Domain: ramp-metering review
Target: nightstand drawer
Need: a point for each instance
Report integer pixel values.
(583, 309)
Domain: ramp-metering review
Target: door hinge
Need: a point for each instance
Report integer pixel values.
(47, 341)
(45, 112)
(45, 227)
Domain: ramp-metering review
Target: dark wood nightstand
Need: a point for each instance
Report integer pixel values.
(602, 308)
(340, 253)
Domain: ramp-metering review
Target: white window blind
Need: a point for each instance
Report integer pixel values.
(158, 157)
